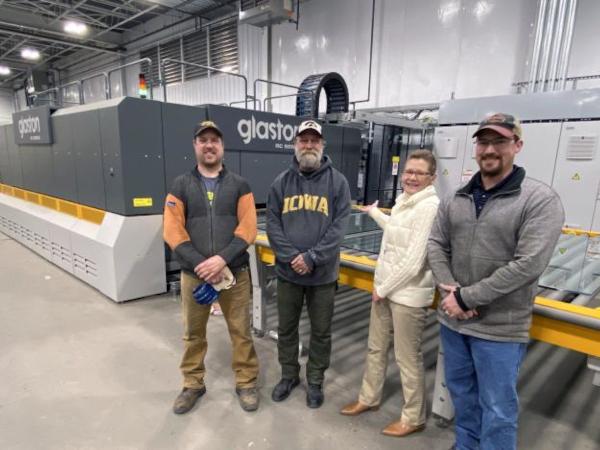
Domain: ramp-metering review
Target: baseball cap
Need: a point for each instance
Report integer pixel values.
(504, 124)
(309, 125)
(207, 125)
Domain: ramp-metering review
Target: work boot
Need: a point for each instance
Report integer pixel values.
(282, 390)
(186, 399)
(314, 396)
(248, 398)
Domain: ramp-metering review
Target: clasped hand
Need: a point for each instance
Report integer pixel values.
(210, 269)
(451, 307)
(299, 266)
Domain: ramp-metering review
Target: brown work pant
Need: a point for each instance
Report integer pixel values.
(404, 325)
(235, 304)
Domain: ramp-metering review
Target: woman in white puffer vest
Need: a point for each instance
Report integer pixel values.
(402, 293)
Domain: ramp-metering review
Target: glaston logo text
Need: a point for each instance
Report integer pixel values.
(250, 129)
(30, 125)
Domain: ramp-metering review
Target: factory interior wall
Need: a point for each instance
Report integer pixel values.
(426, 51)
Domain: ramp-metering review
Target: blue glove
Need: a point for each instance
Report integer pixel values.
(205, 294)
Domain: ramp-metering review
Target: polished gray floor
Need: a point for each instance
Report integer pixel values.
(78, 371)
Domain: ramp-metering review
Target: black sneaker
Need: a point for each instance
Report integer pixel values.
(282, 390)
(314, 396)
(248, 398)
(186, 399)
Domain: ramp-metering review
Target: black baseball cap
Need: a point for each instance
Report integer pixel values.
(207, 125)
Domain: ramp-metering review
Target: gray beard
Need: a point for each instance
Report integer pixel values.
(308, 162)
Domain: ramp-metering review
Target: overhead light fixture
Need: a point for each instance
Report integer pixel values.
(76, 28)
(4, 70)
(227, 69)
(30, 53)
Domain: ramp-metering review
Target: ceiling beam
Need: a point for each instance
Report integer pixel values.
(15, 64)
(38, 22)
(135, 16)
(54, 40)
(48, 59)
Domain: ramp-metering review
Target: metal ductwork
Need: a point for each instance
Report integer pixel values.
(537, 45)
(565, 53)
(552, 45)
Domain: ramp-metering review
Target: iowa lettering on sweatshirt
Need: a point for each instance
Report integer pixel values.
(307, 214)
(305, 202)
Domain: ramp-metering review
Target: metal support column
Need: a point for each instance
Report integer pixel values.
(442, 407)
(259, 310)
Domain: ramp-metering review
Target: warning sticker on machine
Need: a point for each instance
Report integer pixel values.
(395, 163)
(142, 202)
(466, 176)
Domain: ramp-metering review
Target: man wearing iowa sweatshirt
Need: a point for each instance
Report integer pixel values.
(307, 214)
(209, 222)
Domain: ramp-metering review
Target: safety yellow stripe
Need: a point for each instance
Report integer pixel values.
(552, 331)
(578, 232)
(364, 260)
(567, 335)
(562, 306)
(83, 212)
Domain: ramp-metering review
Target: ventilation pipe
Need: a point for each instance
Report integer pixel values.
(537, 45)
(565, 53)
(547, 45)
(556, 45)
(552, 45)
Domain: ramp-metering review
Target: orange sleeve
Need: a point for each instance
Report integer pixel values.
(174, 232)
(246, 213)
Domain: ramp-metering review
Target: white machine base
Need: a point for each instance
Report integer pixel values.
(123, 257)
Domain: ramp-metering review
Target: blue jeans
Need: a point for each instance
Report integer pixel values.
(481, 376)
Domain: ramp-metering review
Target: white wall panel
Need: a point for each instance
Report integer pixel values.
(585, 58)
(252, 43)
(423, 51)
(7, 106)
(216, 89)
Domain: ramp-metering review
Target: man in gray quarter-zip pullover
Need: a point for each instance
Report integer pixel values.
(308, 208)
(489, 244)
(209, 222)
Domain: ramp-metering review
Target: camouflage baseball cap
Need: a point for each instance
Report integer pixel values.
(207, 125)
(504, 124)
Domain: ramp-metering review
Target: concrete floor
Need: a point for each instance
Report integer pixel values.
(81, 372)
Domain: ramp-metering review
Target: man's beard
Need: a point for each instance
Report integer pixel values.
(210, 165)
(492, 172)
(309, 160)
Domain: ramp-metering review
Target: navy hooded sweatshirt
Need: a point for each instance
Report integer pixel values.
(307, 214)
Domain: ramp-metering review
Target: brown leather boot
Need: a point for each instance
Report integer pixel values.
(248, 398)
(401, 429)
(356, 408)
(186, 399)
